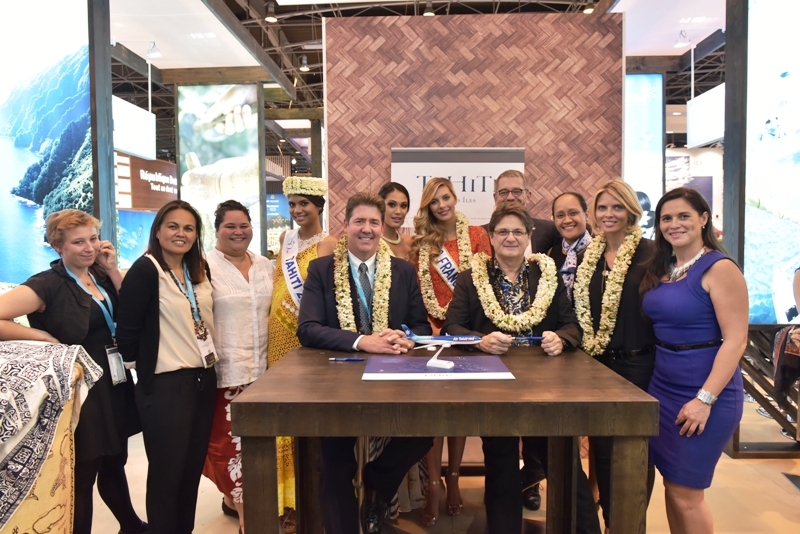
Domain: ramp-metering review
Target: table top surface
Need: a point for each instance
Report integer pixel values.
(306, 394)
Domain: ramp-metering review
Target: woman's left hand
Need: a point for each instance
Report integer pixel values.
(107, 256)
(693, 417)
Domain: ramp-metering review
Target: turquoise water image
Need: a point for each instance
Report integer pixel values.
(23, 250)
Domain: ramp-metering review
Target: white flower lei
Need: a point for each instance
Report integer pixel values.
(305, 185)
(424, 270)
(548, 283)
(380, 288)
(595, 343)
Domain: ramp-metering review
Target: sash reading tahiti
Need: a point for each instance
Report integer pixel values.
(291, 271)
(447, 268)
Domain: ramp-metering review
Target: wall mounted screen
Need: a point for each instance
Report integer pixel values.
(219, 156)
(772, 219)
(45, 128)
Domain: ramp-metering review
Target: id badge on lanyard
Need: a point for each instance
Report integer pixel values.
(206, 345)
(208, 353)
(116, 365)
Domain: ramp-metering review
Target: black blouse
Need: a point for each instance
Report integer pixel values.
(633, 331)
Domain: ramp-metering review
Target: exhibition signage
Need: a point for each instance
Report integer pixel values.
(472, 171)
(144, 184)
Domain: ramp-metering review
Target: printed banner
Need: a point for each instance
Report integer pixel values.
(472, 171)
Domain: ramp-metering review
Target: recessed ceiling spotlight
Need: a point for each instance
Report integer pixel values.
(271, 18)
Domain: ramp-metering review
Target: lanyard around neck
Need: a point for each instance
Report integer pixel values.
(108, 311)
(188, 291)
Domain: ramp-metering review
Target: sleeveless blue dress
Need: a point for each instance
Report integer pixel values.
(683, 314)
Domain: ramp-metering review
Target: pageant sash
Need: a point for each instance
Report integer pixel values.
(447, 268)
(291, 271)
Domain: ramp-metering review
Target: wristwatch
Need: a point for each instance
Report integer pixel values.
(706, 397)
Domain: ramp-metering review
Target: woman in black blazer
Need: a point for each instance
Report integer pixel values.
(166, 326)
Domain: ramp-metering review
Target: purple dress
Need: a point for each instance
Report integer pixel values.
(683, 314)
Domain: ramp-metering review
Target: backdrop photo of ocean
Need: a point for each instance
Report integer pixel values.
(45, 130)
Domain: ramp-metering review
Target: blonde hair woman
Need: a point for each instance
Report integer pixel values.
(607, 303)
(443, 246)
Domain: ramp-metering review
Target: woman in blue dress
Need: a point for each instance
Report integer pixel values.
(697, 299)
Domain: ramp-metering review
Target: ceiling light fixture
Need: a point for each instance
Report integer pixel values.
(683, 40)
(153, 52)
(304, 64)
(294, 161)
(676, 112)
(589, 9)
(282, 140)
(271, 18)
(428, 10)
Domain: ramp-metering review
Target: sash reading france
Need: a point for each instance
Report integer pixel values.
(291, 271)
(447, 268)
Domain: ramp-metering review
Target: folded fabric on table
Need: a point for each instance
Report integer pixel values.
(36, 383)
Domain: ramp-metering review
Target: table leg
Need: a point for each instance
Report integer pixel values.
(260, 485)
(562, 465)
(629, 485)
(309, 514)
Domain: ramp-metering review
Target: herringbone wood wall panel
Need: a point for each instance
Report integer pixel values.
(549, 83)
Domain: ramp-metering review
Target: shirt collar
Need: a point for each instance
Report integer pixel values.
(501, 275)
(355, 262)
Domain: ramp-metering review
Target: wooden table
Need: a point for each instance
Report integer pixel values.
(572, 395)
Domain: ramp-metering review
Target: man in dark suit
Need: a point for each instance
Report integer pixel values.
(319, 327)
(511, 187)
(514, 282)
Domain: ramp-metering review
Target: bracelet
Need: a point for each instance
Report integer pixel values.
(706, 397)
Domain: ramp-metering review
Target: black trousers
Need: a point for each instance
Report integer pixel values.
(502, 496)
(112, 484)
(176, 419)
(638, 370)
(384, 475)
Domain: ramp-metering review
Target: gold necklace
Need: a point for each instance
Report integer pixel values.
(392, 242)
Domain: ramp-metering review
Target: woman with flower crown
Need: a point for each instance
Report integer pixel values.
(443, 247)
(608, 306)
(299, 246)
(511, 295)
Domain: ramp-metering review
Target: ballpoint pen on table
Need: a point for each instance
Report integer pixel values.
(346, 359)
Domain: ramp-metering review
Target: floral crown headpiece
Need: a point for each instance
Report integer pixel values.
(305, 185)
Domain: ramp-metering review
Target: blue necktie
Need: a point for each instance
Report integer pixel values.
(363, 279)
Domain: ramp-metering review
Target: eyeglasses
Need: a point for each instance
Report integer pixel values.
(505, 233)
(503, 193)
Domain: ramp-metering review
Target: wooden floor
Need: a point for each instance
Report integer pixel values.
(747, 497)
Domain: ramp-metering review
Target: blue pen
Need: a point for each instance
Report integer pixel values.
(528, 338)
(346, 359)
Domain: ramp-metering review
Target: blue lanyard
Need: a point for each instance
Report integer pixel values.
(188, 291)
(361, 293)
(107, 312)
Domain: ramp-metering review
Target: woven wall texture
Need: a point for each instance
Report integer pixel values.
(549, 83)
